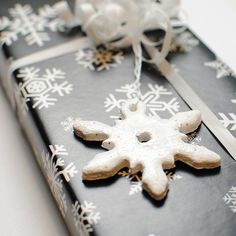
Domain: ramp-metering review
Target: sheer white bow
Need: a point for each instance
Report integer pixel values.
(123, 23)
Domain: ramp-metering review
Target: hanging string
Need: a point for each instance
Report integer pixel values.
(137, 73)
(122, 23)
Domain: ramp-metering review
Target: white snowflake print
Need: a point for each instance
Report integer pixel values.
(172, 176)
(68, 123)
(194, 138)
(151, 98)
(40, 90)
(99, 58)
(222, 70)
(55, 168)
(85, 217)
(230, 198)
(136, 183)
(184, 42)
(229, 121)
(31, 26)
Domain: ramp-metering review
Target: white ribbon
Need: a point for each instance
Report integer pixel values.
(123, 23)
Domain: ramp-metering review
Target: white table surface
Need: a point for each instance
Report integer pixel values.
(26, 205)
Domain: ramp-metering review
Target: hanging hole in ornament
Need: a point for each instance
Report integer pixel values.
(144, 137)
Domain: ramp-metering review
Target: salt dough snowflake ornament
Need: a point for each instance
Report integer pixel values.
(147, 144)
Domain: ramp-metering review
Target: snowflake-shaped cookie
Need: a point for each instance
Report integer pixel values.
(147, 144)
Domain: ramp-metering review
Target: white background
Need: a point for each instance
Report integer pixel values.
(26, 206)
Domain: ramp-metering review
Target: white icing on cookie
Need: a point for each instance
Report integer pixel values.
(147, 144)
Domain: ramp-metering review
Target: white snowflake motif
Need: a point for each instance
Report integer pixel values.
(136, 183)
(194, 138)
(222, 70)
(39, 89)
(68, 123)
(99, 58)
(30, 25)
(150, 98)
(55, 168)
(85, 217)
(172, 176)
(184, 42)
(228, 122)
(230, 199)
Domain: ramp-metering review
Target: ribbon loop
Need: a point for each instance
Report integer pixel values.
(123, 23)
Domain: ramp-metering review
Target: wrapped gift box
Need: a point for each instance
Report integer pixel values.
(91, 84)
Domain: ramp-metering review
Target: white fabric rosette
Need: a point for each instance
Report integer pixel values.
(123, 23)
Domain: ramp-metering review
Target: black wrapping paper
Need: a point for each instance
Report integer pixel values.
(52, 94)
